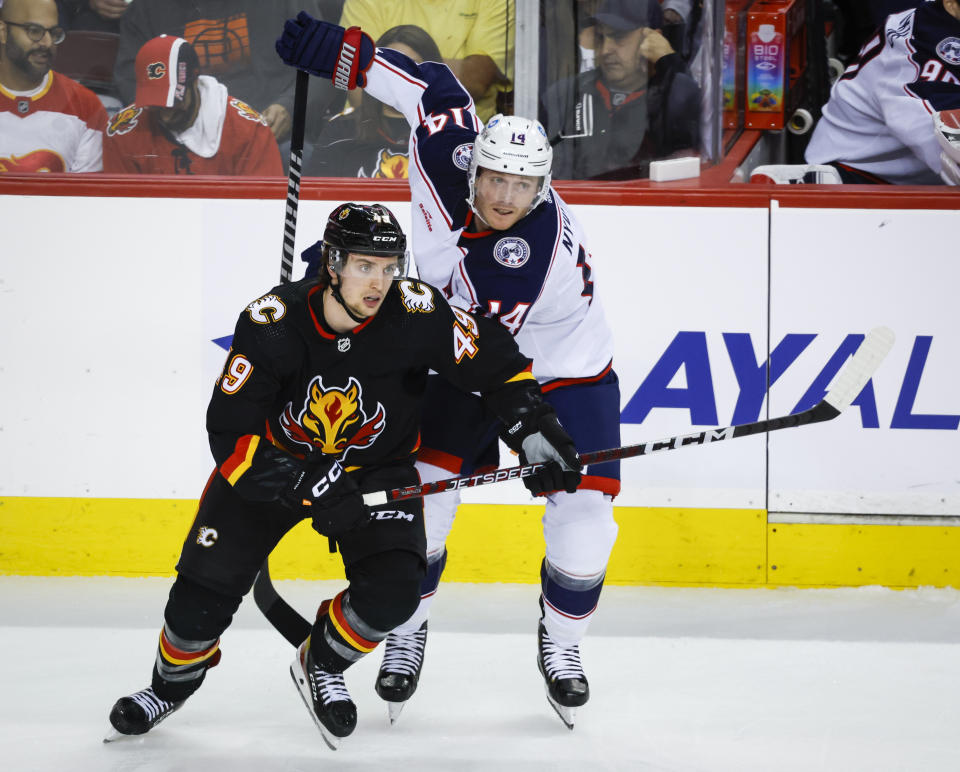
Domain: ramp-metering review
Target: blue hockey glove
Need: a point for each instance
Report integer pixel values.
(540, 439)
(327, 50)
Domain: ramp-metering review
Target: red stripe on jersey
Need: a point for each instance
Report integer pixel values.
(561, 382)
(237, 458)
(447, 461)
(429, 184)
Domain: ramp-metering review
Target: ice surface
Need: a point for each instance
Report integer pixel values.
(681, 679)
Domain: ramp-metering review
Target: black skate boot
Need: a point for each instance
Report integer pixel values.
(567, 687)
(326, 697)
(400, 670)
(139, 713)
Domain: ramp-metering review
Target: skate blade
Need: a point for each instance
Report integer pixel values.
(395, 709)
(115, 736)
(567, 715)
(300, 681)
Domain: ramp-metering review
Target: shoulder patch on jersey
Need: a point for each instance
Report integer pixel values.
(267, 309)
(246, 111)
(948, 49)
(511, 252)
(124, 121)
(462, 155)
(417, 297)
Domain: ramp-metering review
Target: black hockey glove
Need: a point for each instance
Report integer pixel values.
(540, 439)
(335, 503)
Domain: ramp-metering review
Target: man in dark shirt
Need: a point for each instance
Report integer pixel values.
(639, 104)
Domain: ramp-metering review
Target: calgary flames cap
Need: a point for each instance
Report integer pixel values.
(165, 66)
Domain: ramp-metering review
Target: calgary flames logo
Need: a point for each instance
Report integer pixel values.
(124, 121)
(36, 161)
(247, 112)
(333, 420)
(391, 166)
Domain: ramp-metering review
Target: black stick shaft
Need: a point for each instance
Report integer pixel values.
(819, 412)
(293, 176)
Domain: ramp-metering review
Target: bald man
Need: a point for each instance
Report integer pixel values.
(48, 122)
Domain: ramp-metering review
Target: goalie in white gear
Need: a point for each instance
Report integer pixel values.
(946, 126)
(876, 126)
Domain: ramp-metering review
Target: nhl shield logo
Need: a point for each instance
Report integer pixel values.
(462, 155)
(511, 252)
(948, 49)
(343, 345)
(23, 106)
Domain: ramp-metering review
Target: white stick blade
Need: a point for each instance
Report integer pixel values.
(861, 367)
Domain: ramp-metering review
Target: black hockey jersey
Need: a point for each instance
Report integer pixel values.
(292, 386)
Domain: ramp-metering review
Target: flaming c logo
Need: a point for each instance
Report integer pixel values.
(333, 420)
(391, 166)
(124, 121)
(247, 112)
(36, 161)
(156, 70)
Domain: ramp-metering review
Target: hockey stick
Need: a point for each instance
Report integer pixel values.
(293, 176)
(848, 383)
(275, 608)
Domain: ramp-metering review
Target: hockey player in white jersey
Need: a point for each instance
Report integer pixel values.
(878, 124)
(489, 229)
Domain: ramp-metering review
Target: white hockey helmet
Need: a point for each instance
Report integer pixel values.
(515, 145)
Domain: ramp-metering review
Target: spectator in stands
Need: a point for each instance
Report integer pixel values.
(475, 38)
(372, 140)
(639, 104)
(186, 123)
(877, 125)
(48, 123)
(96, 15)
(234, 42)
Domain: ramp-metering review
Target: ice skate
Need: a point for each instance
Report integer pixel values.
(400, 670)
(139, 713)
(567, 687)
(326, 697)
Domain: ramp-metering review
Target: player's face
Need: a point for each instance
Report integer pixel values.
(365, 280)
(619, 57)
(502, 199)
(31, 58)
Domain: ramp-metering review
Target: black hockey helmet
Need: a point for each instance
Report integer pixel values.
(367, 230)
(360, 228)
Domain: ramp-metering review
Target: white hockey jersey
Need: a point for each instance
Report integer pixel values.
(56, 127)
(879, 118)
(535, 278)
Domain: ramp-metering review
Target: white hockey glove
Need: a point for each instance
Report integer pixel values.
(946, 126)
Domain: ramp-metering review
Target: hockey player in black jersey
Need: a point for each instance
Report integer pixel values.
(319, 402)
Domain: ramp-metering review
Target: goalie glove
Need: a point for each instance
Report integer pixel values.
(334, 500)
(540, 439)
(327, 50)
(946, 126)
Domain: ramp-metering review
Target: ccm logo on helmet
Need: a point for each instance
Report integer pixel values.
(384, 238)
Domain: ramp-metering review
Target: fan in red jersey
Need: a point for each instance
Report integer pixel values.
(48, 122)
(186, 123)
